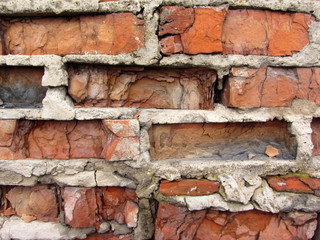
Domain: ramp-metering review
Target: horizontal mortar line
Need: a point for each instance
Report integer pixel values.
(95, 6)
(213, 60)
(199, 165)
(125, 58)
(29, 60)
(219, 60)
(221, 113)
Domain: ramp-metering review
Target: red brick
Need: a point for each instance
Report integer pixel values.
(175, 20)
(313, 183)
(88, 140)
(263, 32)
(172, 222)
(238, 31)
(288, 184)
(49, 140)
(204, 36)
(104, 34)
(243, 87)
(142, 87)
(120, 204)
(80, 206)
(32, 203)
(189, 187)
(270, 87)
(177, 223)
(73, 139)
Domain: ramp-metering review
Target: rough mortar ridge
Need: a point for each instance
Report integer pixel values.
(243, 184)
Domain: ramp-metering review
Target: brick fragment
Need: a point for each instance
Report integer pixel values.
(189, 187)
(272, 151)
(175, 20)
(288, 184)
(80, 206)
(123, 128)
(171, 44)
(120, 204)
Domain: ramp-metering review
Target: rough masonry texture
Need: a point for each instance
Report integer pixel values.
(159, 120)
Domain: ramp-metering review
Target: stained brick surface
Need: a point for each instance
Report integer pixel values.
(223, 141)
(21, 87)
(139, 87)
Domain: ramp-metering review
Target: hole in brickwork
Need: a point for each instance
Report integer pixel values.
(315, 125)
(21, 87)
(218, 90)
(142, 87)
(221, 141)
(69, 139)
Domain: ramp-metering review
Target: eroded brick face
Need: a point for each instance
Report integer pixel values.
(236, 31)
(223, 141)
(104, 34)
(107, 139)
(83, 207)
(178, 223)
(271, 87)
(189, 187)
(142, 87)
(31, 203)
(21, 87)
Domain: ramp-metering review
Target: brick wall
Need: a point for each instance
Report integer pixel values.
(159, 120)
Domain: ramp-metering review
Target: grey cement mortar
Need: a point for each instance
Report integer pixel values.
(31, 7)
(74, 172)
(122, 6)
(15, 228)
(242, 184)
